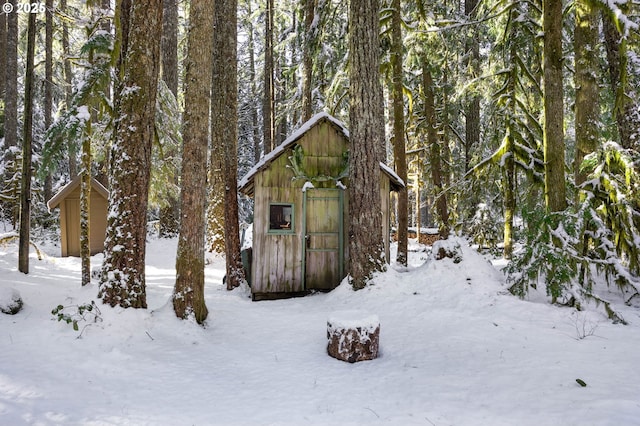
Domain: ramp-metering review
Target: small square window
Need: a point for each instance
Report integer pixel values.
(281, 217)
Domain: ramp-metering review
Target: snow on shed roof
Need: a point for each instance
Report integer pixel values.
(68, 188)
(245, 183)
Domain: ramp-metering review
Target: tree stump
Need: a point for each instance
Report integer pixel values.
(10, 301)
(353, 336)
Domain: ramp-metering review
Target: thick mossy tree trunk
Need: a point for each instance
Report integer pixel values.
(508, 158)
(554, 179)
(366, 247)
(123, 277)
(399, 152)
(587, 105)
(25, 192)
(188, 295)
(626, 105)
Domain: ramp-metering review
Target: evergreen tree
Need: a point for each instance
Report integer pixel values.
(188, 294)
(555, 187)
(366, 248)
(123, 279)
(25, 188)
(225, 125)
(399, 154)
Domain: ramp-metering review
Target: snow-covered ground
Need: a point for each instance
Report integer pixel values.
(455, 350)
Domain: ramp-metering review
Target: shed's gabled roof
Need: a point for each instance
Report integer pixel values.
(70, 187)
(245, 184)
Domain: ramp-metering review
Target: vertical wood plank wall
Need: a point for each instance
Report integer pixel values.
(277, 264)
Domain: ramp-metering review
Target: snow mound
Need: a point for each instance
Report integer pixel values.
(10, 301)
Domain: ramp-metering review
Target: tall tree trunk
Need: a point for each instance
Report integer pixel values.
(11, 114)
(170, 45)
(366, 116)
(11, 81)
(399, 154)
(85, 208)
(25, 192)
(435, 153)
(268, 114)
(216, 207)
(587, 105)
(3, 53)
(225, 118)
(307, 58)
(254, 90)
(472, 108)
(509, 203)
(555, 189)
(188, 295)
(626, 105)
(48, 84)
(123, 276)
(170, 214)
(68, 86)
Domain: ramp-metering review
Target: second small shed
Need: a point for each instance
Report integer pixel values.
(68, 199)
(301, 211)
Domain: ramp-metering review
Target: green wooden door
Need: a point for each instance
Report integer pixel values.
(323, 239)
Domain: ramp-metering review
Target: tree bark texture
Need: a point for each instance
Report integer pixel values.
(85, 209)
(170, 45)
(472, 108)
(435, 153)
(509, 202)
(25, 188)
(11, 82)
(48, 83)
(216, 207)
(68, 76)
(626, 105)
(9, 184)
(225, 122)
(307, 58)
(399, 153)
(268, 114)
(3, 52)
(555, 189)
(188, 295)
(123, 276)
(254, 91)
(169, 220)
(587, 105)
(366, 248)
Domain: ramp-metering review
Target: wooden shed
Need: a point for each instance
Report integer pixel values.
(301, 211)
(68, 199)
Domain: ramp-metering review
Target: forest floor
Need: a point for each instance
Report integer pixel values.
(455, 349)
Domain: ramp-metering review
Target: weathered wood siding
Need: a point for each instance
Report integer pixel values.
(386, 202)
(277, 265)
(277, 257)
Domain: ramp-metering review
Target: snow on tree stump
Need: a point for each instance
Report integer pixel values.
(10, 301)
(353, 336)
(447, 249)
